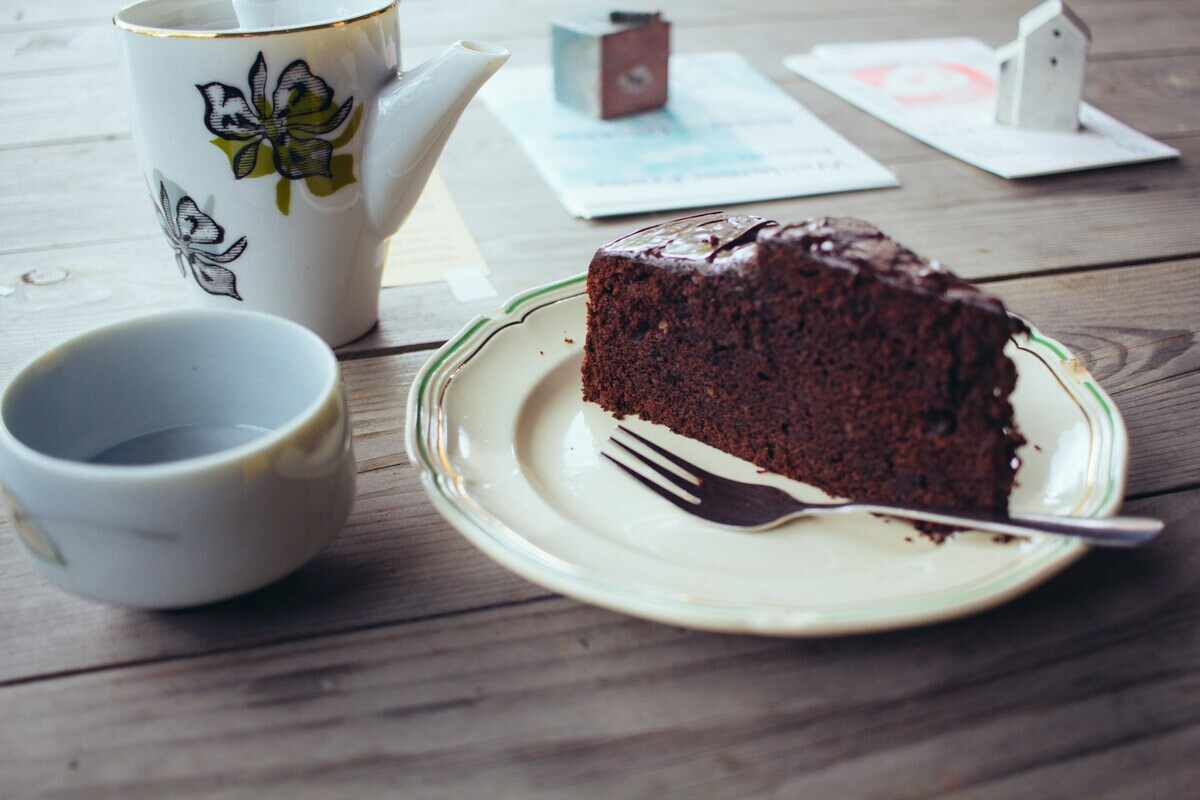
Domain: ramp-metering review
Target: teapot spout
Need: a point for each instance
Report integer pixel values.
(410, 123)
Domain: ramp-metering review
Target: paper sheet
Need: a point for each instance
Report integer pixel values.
(943, 92)
(434, 245)
(727, 135)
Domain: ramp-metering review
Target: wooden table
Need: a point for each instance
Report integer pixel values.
(403, 662)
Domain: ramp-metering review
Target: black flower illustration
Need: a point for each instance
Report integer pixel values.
(299, 112)
(189, 227)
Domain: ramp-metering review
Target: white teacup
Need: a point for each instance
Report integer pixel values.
(281, 159)
(177, 459)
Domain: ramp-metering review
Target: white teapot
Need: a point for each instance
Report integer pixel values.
(280, 158)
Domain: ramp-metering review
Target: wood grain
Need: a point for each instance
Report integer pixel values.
(396, 559)
(50, 52)
(1135, 328)
(31, 108)
(1131, 326)
(79, 205)
(25, 14)
(1158, 94)
(1117, 27)
(46, 69)
(403, 663)
(521, 17)
(1090, 679)
(979, 225)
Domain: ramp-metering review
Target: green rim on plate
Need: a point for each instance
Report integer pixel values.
(426, 438)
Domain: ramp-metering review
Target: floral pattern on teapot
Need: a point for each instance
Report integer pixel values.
(291, 125)
(189, 230)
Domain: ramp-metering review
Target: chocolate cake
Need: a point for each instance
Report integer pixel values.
(821, 350)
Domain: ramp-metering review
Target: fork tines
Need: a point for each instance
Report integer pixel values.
(690, 485)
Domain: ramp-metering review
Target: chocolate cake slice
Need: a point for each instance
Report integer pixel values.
(821, 350)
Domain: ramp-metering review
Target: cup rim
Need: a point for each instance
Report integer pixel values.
(381, 7)
(166, 469)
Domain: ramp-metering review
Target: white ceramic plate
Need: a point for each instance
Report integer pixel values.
(510, 455)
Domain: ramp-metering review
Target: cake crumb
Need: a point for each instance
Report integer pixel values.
(1004, 538)
(1037, 447)
(908, 538)
(568, 340)
(762, 471)
(541, 352)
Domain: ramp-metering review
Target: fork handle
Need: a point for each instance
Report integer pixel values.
(1100, 531)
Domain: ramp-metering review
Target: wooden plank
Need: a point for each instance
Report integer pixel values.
(103, 283)
(510, 19)
(1097, 669)
(1147, 92)
(94, 185)
(1156, 94)
(980, 225)
(1116, 27)
(1136, 328)
(1147, 356)
(72, 194)
(31, 108)
(45, 71)
(41, 52)
(19, 14)
(1131, 326)
(1162, 418)
(1109, 773)
(1085, 688)
(1123, 87)
(396, 559)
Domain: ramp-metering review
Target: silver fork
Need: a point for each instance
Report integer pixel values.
(754, 507)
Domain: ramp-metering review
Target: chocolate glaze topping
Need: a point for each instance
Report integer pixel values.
(712, 243)
(708, 242)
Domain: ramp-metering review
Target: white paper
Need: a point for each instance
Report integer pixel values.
(943, 92)
(434, 244)
(727, 135)
(468, 284)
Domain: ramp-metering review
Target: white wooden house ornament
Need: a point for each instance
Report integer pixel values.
(1041, 73)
